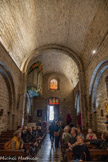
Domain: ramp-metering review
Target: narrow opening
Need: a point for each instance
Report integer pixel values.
(51, 112)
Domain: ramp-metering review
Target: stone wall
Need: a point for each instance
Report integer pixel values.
(4, 104)
(94, 119)
(64, 93)
(10, 85)
(101, 99)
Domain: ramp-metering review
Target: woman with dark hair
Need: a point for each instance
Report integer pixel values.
(73, 138)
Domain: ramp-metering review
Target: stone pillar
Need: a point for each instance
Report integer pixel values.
(83, 99)
(22, 101)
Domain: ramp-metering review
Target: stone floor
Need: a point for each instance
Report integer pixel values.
(48, 153)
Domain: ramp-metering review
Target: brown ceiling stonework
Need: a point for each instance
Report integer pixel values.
(54, 61)
(25, 25)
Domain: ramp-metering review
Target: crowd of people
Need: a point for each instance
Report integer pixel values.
(74, 140)
(69, 137)
(25, 135)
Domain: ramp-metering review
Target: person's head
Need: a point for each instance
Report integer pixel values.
(18, 127)
(57, 123)
(74, 132)
(80, 139)
(66, 129)
(78, 130)
(90, 131)
(39, 127)
(29, 129)
(17, 133)
(34, 128)
(39, 121)
(25, 128)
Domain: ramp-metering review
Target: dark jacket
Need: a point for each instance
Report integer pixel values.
(29, 137)
(34, 133)
(24, 135)
(100, 143)
(72, 140)
(81, 152)
(51, 130)
(56, 128)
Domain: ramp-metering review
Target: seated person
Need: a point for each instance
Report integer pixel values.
(39, 131)
(73, 138)
(80, 150)
(91, 135)
(34, 131)
(40, 123)
(102, 144)
(24, 134)
(16, 142)
(66, 135)
(29, 136)
(33, 147)
(79, 132)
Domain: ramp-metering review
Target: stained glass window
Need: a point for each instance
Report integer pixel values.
(53, 101)
(53, 84)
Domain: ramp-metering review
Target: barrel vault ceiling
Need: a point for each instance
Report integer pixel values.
(81, 25)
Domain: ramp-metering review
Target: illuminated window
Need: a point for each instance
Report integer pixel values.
(51, 113)
(53, 84)
(77, 102)
(53, 101)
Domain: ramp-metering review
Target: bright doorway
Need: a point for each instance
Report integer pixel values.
(51, 113)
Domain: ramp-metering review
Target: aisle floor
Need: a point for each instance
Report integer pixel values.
(48, 153)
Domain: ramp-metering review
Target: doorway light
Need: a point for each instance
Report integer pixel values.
(51, 113)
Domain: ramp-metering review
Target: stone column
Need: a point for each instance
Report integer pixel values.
(22, 100)
(83, 99)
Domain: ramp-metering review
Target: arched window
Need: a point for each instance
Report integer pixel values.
(53, 84)
(96, 76)
(77, 102)
(106, 80)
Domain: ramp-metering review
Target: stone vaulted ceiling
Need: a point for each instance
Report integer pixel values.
(57, 62)
(25, 25)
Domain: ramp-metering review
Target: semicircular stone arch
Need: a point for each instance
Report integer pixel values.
(98, 96)
(8, 83)
(77, 60)
(96, 76)
(64, 49)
